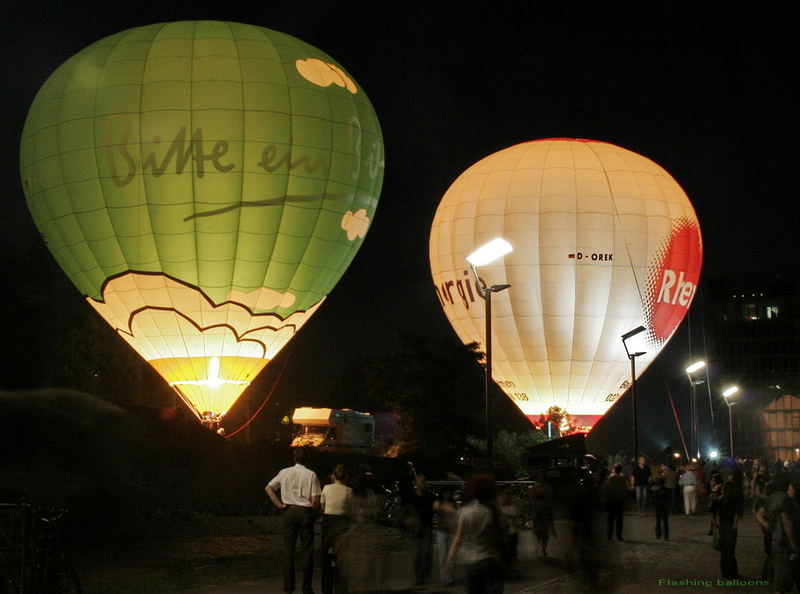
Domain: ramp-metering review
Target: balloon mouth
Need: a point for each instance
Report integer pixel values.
(209, 386)
(580, 423)
(212, 379)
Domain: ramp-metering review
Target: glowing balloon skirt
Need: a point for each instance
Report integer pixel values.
(604, 240)
(204, 185)
(215, 392)
(208, 352)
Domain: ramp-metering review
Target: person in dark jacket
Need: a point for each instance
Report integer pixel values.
(419, 523)
(615, 491)
(786, 542)
(671, 485)
(768, 512)
(541, 510)
(727, 514)
(662, 500)
(640, 480)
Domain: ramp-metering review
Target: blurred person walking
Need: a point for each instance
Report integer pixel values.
(768, 512)
(542, 516)
(700, 473)
(362, 550)
(786, 542)
(758, 482)
(615, 492)
(479, 540)
(444, 527)
(299, 499)
(671, 485)
(727, 514)
(713, 497)
(337, 508)
(586, 552)
(661, 501)
(365, 496)
(419, 524)
(510, 514)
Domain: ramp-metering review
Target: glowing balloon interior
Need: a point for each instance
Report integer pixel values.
(205, 185)
(604, 240)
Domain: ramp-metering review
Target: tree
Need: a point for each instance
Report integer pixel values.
(512, 447)
(560, 421)
(434, 384)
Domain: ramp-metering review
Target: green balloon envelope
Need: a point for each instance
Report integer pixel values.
(221, 158)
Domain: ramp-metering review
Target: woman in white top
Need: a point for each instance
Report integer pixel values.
(337, 507)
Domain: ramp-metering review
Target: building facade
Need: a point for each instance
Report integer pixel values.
(752, 325)
(780, 428)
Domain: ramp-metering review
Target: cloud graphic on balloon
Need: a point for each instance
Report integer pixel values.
(324, 74)
(162, 317)
(355, 223)
(263, 299)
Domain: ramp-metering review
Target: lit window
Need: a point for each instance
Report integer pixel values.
(750, 311)
(772, 311)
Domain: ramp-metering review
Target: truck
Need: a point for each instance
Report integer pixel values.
(340, 430)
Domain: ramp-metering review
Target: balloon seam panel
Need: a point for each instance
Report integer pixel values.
(279, 55)
(77, 220)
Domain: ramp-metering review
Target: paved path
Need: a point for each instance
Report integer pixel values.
(639, 564)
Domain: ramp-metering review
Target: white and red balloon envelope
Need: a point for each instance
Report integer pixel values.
(604, 240)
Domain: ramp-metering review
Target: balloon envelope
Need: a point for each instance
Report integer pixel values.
(604, 240)
(204, 185)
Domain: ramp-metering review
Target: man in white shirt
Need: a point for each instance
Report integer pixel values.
(299, 500)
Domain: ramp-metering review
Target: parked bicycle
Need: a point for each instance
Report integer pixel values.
(391, 509)
(32, 559)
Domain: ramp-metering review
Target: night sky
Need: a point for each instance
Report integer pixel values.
(707, 90)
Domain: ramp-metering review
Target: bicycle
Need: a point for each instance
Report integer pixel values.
(391, 509)
(32, 559)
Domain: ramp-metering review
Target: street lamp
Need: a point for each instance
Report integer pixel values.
(632, 358)
(727, 393)
(696, 366)
(485, 254)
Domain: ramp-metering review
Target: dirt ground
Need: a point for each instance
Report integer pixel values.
(194, 552)
(203, 550)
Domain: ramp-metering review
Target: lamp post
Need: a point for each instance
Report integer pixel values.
(484, 255)
(632, 358)
(727, 393)
(696, 366)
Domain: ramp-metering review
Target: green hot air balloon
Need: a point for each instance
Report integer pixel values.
(205, 185)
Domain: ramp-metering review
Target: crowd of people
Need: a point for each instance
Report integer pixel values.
(478, 533)
(722, 490)
(478, 529)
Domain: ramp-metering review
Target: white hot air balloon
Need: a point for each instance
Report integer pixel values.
(604, 240)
